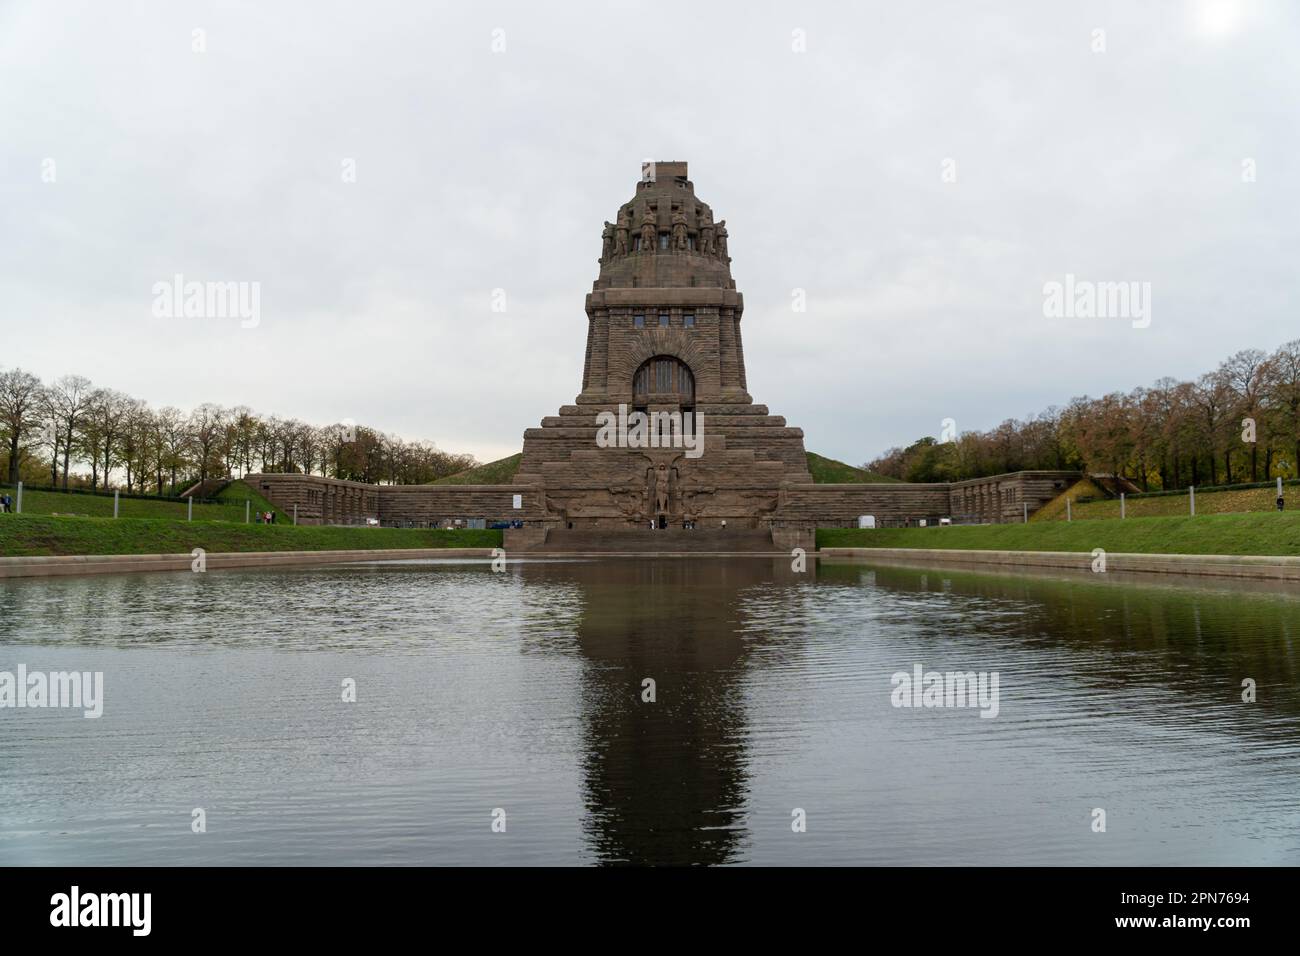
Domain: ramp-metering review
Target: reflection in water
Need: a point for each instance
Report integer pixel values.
(664, 780)
(524, 690)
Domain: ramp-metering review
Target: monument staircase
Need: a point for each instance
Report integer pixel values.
(660, 541)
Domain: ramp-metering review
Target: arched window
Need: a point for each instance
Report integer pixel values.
(663, 380)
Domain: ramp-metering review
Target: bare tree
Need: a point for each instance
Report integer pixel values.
(69, 399)
(21, 395)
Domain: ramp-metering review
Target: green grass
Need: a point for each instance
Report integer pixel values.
(101, 506)
(239, 491)
(825, 471)
(1054, 509)
(828, 471)
(499, 472)
(1268, 534)
(1230, 501)
(28, 534)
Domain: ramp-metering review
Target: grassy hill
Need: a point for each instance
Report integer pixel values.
(26, 534)
(499, 472)
(1055, 509)
(828, 471)
(229, 505)
(1228, 501)
(101, 506)
(825, 471)
(1271, 534)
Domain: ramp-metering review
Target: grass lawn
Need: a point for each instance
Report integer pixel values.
(1264, 533)
(1207, 503)
(828, 471)
(28, 534)
(101, 506)
(499, 472)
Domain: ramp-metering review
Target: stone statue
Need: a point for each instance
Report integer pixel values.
(621, 232)
(649, 227)
(662, 478)
(705, 245)
(720, 240)
(607, 242)
(679, 229)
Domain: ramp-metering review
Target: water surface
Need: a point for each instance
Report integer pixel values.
(523, 691)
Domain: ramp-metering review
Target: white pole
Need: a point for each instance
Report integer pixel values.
(20, 498)
(1121, 506)
(295, 512)
(189, 516)
(1191, 498)
(247, 506)
(115, 494)
(1068, 515)
(1025, 507)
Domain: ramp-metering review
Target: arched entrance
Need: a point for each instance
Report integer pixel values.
(664, 380)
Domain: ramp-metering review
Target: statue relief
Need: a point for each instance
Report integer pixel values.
(679, 229)
(607, 242)
(705, 244)
(720, 240)
(649, 228)
(659, 482)
(621, 232)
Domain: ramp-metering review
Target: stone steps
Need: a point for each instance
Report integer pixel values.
(665, 541)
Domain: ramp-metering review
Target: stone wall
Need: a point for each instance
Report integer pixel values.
(1006, 498)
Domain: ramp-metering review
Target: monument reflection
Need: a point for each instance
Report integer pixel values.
(665, 782)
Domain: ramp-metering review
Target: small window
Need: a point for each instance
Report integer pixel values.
(638, 321)
(688, 321)
(663, 240)
(663, 321)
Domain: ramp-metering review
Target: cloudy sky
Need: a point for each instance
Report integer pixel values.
(827, 135)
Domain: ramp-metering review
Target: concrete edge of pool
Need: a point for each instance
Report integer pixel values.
(1256, 567)
(1251, 566)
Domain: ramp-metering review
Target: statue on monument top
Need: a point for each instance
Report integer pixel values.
(721, 241)
(679, 229)
(649, 226)
(607, 242)
(706, 233)
(621, 231)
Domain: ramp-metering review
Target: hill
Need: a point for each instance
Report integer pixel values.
(499, 472)
(828, 471)
(825, 471)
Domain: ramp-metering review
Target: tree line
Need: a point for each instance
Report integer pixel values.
(77, 435)
(1237, 423)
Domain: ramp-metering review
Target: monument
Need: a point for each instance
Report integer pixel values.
(663, 434)
(664, 340)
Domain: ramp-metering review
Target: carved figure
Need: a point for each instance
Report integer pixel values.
(621, 232)
(649, 226)
(607, 242)
(679, 229)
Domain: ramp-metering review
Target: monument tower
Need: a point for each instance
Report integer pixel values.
(663, 343)
(664, 338)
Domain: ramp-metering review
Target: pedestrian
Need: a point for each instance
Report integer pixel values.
(272, 514)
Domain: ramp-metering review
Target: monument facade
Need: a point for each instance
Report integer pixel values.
(664, 433)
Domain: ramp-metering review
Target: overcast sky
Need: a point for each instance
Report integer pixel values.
(478, 169)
